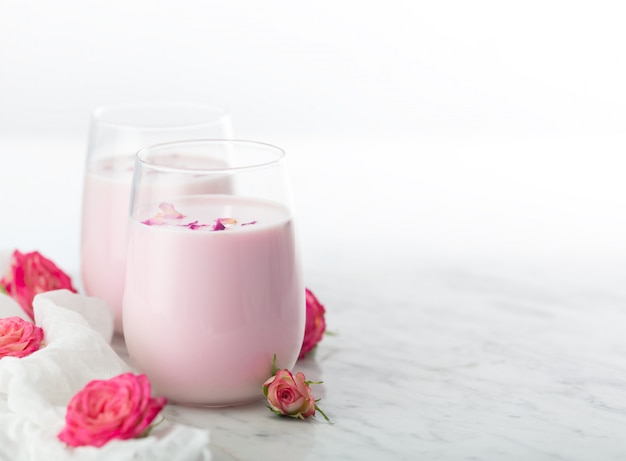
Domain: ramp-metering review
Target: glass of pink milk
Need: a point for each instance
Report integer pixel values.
(213, 287)
(116, 133)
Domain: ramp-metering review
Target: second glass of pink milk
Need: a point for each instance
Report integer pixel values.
(116, 134)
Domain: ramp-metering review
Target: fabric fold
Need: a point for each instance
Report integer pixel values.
(35, 390)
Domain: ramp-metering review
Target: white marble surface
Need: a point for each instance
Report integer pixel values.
(477, 301)
(448, 363)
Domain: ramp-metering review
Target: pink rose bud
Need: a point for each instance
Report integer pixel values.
(118, 408)
(31, 274)
(315, 324)
(289, 395)
(18, 337)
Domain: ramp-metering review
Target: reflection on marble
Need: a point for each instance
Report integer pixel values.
(447, 363)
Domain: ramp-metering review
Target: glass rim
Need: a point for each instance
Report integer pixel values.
(102, 114)
(140, 156)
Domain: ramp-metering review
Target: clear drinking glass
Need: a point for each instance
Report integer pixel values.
(116, 134)
(214, 286)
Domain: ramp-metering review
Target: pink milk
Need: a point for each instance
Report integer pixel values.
(106, 197)
(206, 310)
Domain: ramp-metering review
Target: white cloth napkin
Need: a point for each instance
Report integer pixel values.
(35, 390)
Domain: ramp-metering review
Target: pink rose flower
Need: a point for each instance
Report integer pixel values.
(118, 408)
(31, 274)
(315, 324)
(289, 395)
(19, 338)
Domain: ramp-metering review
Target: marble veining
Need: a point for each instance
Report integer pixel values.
(438, 363)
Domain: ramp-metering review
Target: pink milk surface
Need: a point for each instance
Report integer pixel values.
(205, 311)
(106, 195)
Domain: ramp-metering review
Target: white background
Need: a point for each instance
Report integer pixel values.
(481, 131)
